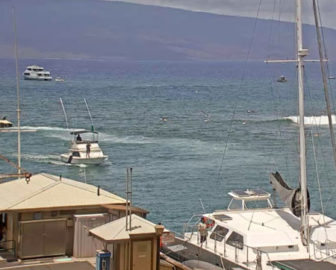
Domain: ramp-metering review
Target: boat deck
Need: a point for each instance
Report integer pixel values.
(304, 265)
(182, 251)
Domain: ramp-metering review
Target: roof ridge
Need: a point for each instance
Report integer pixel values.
(34, 194)
(83, 188)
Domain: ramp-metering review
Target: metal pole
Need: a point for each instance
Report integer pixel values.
(324, 78)
(130, 210)
(65, 115)
(18, 110)
(126, 214)
(87, 108)
(301, 53)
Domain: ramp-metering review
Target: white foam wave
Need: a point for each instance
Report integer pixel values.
(45, 128)
(321, 120)
(128, 139)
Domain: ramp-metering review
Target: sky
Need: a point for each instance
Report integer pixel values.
(249, 8)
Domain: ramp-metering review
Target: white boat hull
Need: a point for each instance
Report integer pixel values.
(79, 160)
(37, 78)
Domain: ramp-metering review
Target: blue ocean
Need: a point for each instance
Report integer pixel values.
(191, 131)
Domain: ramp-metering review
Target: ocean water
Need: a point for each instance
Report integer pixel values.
(229, 125)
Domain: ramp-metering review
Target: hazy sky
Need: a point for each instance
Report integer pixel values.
(249, 8)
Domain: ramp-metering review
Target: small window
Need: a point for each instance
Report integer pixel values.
(39, 75)
(236, 240)
(26, 73)
(37, 215)
(235, 204)
(29, 69)
(219, 233)
(75, 154)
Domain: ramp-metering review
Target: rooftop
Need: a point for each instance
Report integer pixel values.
(46, 191)
(116, 230)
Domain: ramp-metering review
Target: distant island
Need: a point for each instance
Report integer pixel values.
(124, 31)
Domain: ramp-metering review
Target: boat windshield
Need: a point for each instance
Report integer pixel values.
(257, 204)
(83, 137)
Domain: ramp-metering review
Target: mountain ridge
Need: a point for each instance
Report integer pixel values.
(125, 31)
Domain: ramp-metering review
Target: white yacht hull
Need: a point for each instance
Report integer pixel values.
(79, 160)
(38, 78)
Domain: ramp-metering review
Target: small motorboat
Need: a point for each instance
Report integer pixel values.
(282, 79)
(4, 123)
(59, 79)
(84, 149)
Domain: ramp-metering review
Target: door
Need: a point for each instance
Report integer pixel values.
(39, 238)
(142, 255)
(84, 244)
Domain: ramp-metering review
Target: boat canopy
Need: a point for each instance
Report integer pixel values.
(249, 199)
(250, 194)
(81, 131)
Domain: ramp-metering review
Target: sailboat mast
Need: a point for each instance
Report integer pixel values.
(18, 110)
(301, 53)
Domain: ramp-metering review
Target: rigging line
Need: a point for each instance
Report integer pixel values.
(323, 43)
(271, 31)
(317, 173)
(319, 186)
(325, 83)
(239, 88)
(273, 90)
(316, 126)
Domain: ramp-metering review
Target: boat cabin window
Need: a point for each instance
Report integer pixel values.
(236, 240)
(26, 73)
(75, 154)
(235, 204)
(257, 204)
(219, 233)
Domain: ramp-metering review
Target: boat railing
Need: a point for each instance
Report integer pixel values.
(243, 253)
(324, 253)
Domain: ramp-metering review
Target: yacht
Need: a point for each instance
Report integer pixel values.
(36, 73)
(84, 149)
(251, 233)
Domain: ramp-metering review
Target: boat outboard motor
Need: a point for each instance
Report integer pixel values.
(291, 197)
(70, 159)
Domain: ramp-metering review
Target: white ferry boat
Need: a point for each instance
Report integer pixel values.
(36, 73)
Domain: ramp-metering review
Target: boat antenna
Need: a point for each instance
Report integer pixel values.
(87, 108)
(202, 205)
(64, 112)
(301, 53)
(18, 110)
(324, 77)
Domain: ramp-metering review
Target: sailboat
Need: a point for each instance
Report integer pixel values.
(253, 234)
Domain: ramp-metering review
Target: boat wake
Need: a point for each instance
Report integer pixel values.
(103, 137)
(321, 120)
(47, 159)
(45, 128)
